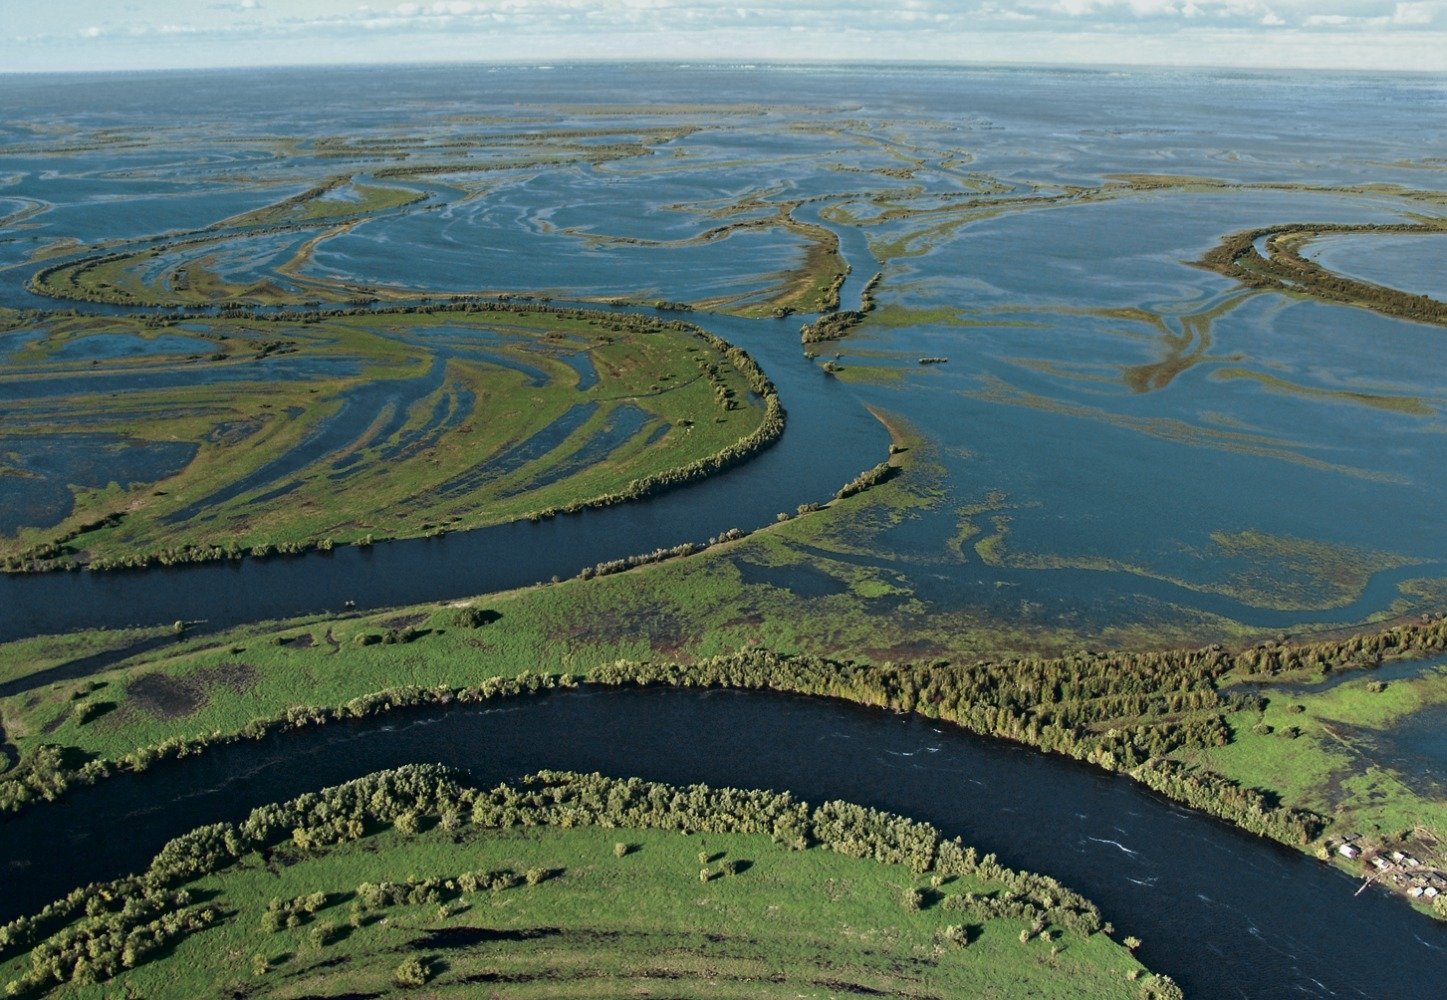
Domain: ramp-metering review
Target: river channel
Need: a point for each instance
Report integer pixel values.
(1225, 913)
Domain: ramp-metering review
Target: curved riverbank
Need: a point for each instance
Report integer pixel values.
(1158, 707)
(1174, 877)
(1284, 268)
(827, 430)
(777, 876)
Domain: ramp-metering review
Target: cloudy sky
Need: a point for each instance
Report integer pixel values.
(143, 34)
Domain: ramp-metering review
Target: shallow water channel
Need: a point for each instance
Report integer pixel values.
(1225, 913)
(829, 438)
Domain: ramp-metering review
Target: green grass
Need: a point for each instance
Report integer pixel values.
(490, 409)
(1318, 754)
(679, 610)
(321, 202)
(25, 657)
(682, 610)
(791, 923)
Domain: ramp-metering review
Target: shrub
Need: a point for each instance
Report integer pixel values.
(472, 617)
(412, 973)
(956, 934)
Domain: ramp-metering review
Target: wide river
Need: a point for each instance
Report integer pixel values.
(1227, 914)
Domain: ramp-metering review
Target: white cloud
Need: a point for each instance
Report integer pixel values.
(1035, 30)
(1413, 13)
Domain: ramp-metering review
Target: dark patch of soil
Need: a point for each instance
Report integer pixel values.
(303, 641)
(854, 989)
(466, 937)
(403, 621)
(169, 697)
(56, 722)
(741, 620)
(166, 697)
(659, 629)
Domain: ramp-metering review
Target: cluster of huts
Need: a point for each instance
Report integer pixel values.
(1406, 873)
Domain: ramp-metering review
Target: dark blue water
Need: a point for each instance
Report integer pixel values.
(38, 489)
(1227, 914)
(822, 448)
(1118, 494)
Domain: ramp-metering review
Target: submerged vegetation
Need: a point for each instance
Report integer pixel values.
(554, 412)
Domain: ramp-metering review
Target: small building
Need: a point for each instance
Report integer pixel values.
(1416, 891)
(1430, 892)
(1380, 863)
(1349, 851)
(1398, 857)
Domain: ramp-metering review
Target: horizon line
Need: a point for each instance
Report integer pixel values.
(731, 62)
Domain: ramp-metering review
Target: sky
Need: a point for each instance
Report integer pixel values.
(65, 35)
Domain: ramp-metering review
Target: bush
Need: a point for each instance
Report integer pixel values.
(471, 617)
(1161, 988)
(412, 973)
(323, 934)
(956, 934)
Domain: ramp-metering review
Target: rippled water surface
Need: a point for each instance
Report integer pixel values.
(1226, 914)
(1121, 437)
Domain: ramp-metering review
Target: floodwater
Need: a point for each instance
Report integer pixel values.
(1151, 442)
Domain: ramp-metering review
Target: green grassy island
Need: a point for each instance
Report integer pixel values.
(414, 880)
(443, 418)
(1227, 731)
